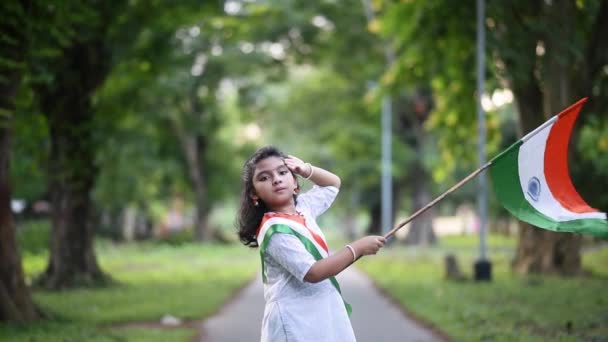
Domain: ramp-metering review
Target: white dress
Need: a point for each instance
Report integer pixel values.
(297, 310)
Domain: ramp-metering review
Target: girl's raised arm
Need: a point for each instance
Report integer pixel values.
(315, 174)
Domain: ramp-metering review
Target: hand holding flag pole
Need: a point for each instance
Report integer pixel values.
(532, 181)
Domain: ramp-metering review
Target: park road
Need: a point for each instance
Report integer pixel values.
(374, 317)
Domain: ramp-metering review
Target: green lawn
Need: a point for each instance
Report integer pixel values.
(189, 281)
(510, 308)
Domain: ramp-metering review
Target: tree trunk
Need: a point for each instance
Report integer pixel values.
(375, 209)
(540, 91)
(375, 218)
(67, 103)
(129, 216)
(543, 251)
(421, 229)
(15, 299)
(195, 168)
(192, 146)
(538, 250)
(411, 120)
(349, 223)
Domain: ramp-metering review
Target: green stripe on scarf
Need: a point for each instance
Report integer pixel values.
(308, 245)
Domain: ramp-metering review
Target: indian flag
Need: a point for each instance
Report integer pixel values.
(532, 181)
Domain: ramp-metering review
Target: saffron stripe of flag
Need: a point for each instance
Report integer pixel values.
(532, 180)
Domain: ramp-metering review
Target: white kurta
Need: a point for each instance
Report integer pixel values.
(297, 310)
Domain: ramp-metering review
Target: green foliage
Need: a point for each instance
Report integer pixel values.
(51, 29)
(323, 97)
(594, 261)
(590, 164)
(322, 111)
(435, 43)
(30, 147)
(180, 238)
(33, 237)
(593, 143)
(508, 308)
(134, 168)
(183, 60)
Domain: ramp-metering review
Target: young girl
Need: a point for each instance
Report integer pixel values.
(303, 300)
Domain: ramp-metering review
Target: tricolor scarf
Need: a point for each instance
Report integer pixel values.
(294, 225)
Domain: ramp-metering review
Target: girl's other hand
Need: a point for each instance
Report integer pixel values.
(297, 166)
(368, 245)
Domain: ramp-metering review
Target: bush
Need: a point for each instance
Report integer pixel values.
(179, 238)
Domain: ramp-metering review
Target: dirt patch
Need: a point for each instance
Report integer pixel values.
(190, 324)
(195, 325)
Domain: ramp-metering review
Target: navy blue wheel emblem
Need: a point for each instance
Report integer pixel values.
(534, 188)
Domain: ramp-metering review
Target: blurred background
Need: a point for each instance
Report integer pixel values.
(124, 126)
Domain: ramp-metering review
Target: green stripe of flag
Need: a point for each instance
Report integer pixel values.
(505, 178)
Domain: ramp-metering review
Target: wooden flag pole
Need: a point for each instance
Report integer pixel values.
(436, 200)
(485, 166)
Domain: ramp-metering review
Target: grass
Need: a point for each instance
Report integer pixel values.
(510, 308)
(188, 281)
(191, 281)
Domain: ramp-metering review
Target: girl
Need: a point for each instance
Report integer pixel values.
(303, 300)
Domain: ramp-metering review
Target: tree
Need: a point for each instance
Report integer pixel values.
(547, 53)
(431, 69)
(412, 127)
(185, 94)
(77, 72)
(15, 300)
(210, 53)
(558, 63)
(97, 43)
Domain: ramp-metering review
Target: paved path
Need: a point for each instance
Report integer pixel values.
(374, 317)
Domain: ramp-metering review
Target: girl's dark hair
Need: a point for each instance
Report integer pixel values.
(249, 216)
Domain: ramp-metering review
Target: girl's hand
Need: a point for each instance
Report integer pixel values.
(297, 166)
(368, 245)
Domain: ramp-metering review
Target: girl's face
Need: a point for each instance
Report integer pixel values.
(273, 183)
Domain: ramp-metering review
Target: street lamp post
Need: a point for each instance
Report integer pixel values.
(387, 178)
(386, 214)
(483, 267)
